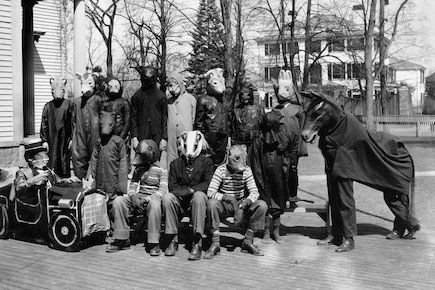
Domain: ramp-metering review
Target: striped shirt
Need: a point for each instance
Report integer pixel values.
(241, 185)
(153, 181)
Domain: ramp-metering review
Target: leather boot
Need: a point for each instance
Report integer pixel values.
(267, 224)
(276, 224)
(412, 231)
(196, 253)
(155, 250)
(212, 251)
(248, 245)
(394, 235)
(172, 248)
(118, 245)
(331, 240)
(347, 245)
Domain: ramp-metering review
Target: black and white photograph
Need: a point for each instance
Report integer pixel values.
(217, 144)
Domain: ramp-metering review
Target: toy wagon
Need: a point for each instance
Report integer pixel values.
(56, 210)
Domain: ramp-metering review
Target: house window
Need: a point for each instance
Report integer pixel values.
(421, 76)
(356, 44)
(271, 49)
(315, 46)
(271, 73)
(336, 71)
(355, 70)
(268, 99)
(294, 49)
(316, 74)
(336, 45)
(391, 75)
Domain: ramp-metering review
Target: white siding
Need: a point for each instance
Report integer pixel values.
(47, 54)
(6, 105)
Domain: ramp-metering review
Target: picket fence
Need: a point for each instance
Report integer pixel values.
(406, 126)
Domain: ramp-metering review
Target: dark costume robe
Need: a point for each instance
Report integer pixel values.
(122, 108)
(275, 140)
(149, 115)
(245, 123)
(212, 119)
(85, 135)
(109, 167)
(56, 130)
(376, 159)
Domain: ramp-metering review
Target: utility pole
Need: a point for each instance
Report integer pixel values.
(308, 40)
(369, 35)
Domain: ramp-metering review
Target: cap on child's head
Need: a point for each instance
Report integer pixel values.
(32, 147)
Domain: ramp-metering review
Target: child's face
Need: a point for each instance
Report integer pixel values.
(40, 160)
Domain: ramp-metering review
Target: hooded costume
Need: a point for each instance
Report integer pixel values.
(181, 115)
(86, 127)
(109, 162)
(121, 107)
(149, 112)
(56, 130)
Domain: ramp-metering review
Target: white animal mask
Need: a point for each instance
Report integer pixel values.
(191, 144)
(286, 90)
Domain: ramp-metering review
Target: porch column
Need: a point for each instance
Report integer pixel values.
(79, 43)
(28, 70)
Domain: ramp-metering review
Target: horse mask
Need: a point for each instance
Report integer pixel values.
(148, 77)
(191, 144)
(321, 112)
(237, 157)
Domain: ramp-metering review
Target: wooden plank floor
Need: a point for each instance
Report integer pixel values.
(298, 263)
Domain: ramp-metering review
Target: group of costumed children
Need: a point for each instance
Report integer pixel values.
(208, 179)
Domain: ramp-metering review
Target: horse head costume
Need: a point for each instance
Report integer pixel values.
(58, 88)
(351, 152)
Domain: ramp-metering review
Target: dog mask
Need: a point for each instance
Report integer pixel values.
(237, 158)
(191, 144)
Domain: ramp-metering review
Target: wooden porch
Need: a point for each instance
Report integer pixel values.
(298, 263)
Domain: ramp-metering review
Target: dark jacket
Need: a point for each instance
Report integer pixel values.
(198, 178)
(149, 115)
(121, 107)
(56, 130)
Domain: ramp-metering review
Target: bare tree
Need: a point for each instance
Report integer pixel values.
(104, 21)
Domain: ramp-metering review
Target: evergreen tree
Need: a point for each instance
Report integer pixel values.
(208, 39)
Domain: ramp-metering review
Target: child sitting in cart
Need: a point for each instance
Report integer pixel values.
(37, 174)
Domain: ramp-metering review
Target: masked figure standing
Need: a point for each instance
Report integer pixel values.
(181, 113)
(56, 129)
(149, 112)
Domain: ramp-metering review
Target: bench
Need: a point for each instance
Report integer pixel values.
(320, 207)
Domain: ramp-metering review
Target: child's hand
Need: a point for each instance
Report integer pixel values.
(39, 179)
(229, 198)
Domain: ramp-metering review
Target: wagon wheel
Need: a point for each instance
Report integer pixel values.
(4, 222)
(64, 233)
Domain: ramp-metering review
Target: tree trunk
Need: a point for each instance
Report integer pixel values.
(229, 60)
(369, 66)
(282, 34)
(292, 41)
(109, 59)
(307, 46)
(163, 26)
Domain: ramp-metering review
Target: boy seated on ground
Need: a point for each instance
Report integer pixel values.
(37, 175)
(189, 177)
(148, 185)
(232, 191)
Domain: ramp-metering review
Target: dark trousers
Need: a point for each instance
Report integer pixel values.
(175, 208)
(253, 216)
(399, 205)
(343, 214)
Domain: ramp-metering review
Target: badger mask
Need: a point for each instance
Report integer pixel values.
(191, 144)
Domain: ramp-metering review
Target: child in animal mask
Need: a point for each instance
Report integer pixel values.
(114, 102)
(232, 191)
(148, 185)
(56, 128)
(181, 113)
(189, 177)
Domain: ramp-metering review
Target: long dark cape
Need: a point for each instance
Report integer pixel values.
(375, 159)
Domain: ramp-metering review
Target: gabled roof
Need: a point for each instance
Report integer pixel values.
(402, 64)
